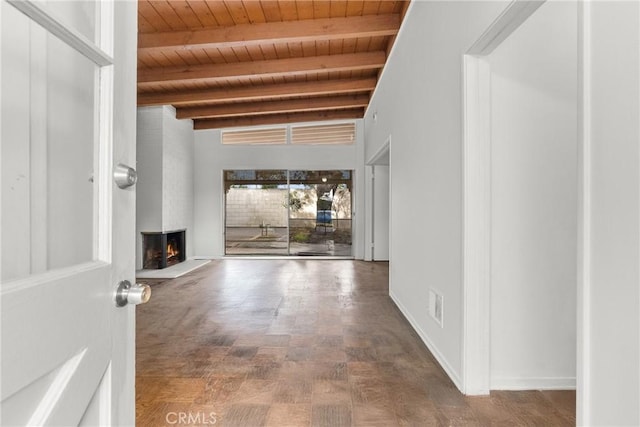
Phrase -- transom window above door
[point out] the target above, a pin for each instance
(325, 134)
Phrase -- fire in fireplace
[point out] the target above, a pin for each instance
(161, 250)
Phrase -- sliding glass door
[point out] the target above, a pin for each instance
(280, 212)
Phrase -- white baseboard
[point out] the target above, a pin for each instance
(453, 375)
(534, 383)
(514, 384)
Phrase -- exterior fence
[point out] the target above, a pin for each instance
(248, 207)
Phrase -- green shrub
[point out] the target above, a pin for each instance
(301, 236)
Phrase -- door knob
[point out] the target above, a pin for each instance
(132, 294)
(125, 176)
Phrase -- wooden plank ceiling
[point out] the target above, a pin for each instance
(249, 62)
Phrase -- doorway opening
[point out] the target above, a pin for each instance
(520, 217)
(288, 212)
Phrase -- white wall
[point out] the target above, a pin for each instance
(149, 168)
(609, 322)
(419, 102)
(534, 202)
(165, 159)
(177, 174)
(211, 158)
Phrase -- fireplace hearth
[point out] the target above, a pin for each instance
(162, 250)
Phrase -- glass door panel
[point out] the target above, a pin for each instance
(320, 213)
(256, 219)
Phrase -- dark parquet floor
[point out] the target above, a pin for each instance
(302, 343)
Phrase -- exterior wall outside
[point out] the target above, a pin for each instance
(251, 208)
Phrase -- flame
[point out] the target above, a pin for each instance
(172, 250)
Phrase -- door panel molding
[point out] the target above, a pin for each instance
(56, 389)
(68, 35)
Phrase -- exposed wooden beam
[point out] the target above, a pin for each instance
(272, 32)
(392, 39)
(317, 88)
(278, 119)
(404, 8)
(280, 67)
(273, 107)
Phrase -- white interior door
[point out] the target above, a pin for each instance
(381, 207)
(67, 236)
